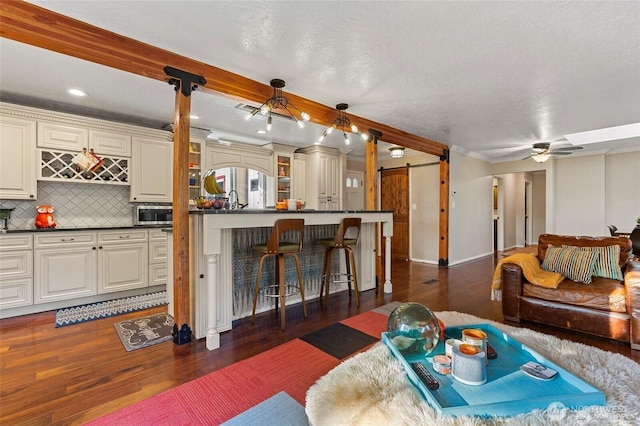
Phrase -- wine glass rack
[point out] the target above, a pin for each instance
(59, 166)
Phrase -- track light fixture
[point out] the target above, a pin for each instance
(278, 101)
(342, 123)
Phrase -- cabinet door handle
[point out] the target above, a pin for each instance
(100, 247)
(124, 236)
(94, 248)
(65, 240)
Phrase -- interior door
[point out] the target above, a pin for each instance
(394, 195)
(354, 190)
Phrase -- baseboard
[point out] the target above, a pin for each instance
(428, 262)
(457, 262)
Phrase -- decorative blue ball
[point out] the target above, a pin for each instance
(413, 329)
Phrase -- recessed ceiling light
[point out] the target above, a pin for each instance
(261, 132)
(603, 135)
(194, 117)
(76, 92)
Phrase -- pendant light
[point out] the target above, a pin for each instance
(343, 123)
(279, 102)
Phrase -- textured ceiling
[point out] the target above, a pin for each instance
(488, 78)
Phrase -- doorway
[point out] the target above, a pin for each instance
(394, 195)
(498, 214)
(528, 217)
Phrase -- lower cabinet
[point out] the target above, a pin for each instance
(16, 271)
(158, 252)
(65, 266)
(122, 260)
(78, 264)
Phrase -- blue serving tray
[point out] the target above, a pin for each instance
(508, 390)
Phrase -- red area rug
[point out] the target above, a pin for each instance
(212, 399)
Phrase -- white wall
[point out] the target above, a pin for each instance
(580, 195)
(425, 215)
(471, 220)
(622, 194)
(538, 207)
(583, 193)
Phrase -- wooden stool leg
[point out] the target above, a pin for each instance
(348, 268)
(281, 288)
(352, 259)
(300, 283)
(257, 289)
(328, 271)
(324, 271)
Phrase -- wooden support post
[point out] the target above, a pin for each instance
(443, 232)
(184, 83)
(371, 193)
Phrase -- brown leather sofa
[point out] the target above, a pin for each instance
(605, 307)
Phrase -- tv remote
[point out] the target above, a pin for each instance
(424, 376)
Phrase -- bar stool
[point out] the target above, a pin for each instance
(341, 242)
(276, 247)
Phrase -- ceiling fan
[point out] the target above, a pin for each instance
(541, 151)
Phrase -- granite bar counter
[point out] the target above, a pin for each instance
(223, 267)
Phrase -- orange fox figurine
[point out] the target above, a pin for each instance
(45, 219)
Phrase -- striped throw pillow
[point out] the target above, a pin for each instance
(607, 265)
(577, 265)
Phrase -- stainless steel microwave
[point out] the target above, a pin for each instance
(152, 215)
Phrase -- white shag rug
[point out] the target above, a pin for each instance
(373, 389)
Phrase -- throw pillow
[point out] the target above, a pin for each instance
(607, 265)
(577, 265)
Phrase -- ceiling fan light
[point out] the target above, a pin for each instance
(354, 128)
(269, 123)
(305, 116)
(541, 158)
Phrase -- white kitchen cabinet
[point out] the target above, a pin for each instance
(298, 176)
(62, 136)
(110, 143)
(16, 270)
(65, 266)
(18, 168)
(158, 252)
(151, 171)
(122, 260)
(323, 189)
(75, 137)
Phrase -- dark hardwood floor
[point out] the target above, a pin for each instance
(72, 374)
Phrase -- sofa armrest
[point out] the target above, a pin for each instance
(632, 288)
(511, 291)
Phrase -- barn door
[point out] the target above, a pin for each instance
(394, 195)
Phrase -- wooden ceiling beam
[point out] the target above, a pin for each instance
(36, 26)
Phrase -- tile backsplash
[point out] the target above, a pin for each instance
(77, 205)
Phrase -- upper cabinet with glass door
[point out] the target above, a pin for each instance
(195, 171)
(283, 180)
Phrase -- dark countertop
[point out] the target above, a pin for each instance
(271, 211)
(98, 228)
